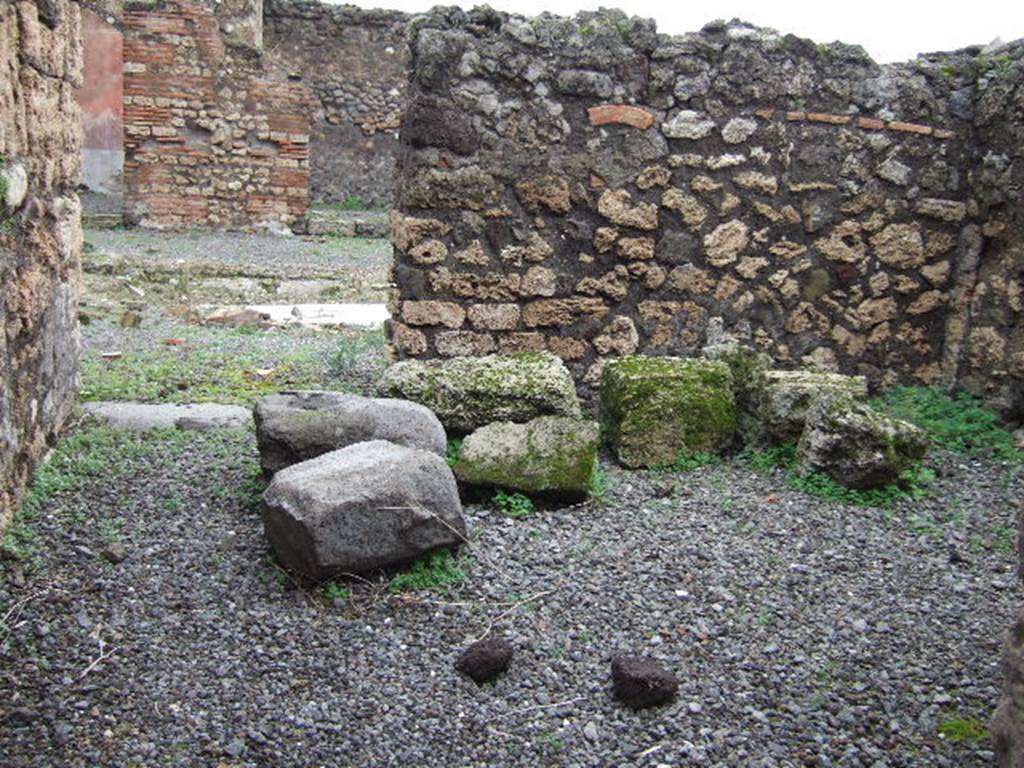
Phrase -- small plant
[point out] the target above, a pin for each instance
(914, 485)
(334, 590)
(958, 423)
(435, 571)
(514, 505)
(688, 461)
(598, 487)
(774, 457)
(353, 203)
(1004, 538)
(963, 729)
(451, 453)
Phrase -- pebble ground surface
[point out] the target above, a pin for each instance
(146, 624)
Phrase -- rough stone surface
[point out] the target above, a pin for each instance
(297, 426)
(364, 507)
(655, 408)
(856, 445)
(485, 660)
(782, 399)
(1007, 724)
(791, 175)
(550, 455)
(143, 416)
(352, 60)
(470, 392)
(640, 682)
(40, 233)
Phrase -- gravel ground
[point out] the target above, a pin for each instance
(805, 633)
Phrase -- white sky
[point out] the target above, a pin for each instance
(890, 30)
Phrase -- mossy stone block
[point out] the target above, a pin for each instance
(857, 446)
(655, 407)
(470, 392)
(782, 400)
(550, 455)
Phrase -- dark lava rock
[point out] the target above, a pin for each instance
(642, 682)
(483, 661)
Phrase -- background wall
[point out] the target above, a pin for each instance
(593, 188)
(101, 100)
(353, 61)
(210, 139)
(40, 235)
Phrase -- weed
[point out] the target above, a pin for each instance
(334, 590)
(514, 505)
(352, 203)
(914, 485)
(922, 526)
(963, 729)
(764, 618)
(1004, 538)
(958, 423)
(774, 457)
(553, 741)
(688, 461)
(435, 571)
(598, 486)
(360, 358)
(451, 453)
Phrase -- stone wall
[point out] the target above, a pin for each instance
(352, 60)
(210, 138)
(591, 187)
(40, 235)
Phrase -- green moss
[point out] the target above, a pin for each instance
(963, 729)
(654, 408)
(436, 571)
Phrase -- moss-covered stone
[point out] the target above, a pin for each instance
(746, 365)
(551, 455)
(470, 392)
(655, 407)
(780, 401)
(856, 445)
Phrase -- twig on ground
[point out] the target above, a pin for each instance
(510, 609)
(524, 710)
(103, 656)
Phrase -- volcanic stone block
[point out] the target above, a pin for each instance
(551, 455)
(297, 426)
(856, 445)
(781, 400)
(485, 660)
(640, 682)
(654, 408)
(368, 506)
(470, 392)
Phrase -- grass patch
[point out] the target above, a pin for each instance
(451, 453)
(914, 483)
(958, 423)
(514, 505)
(598, 486)
(962, 729)
(435, 571)
(360, 359)
(688, 461)
(334, 590)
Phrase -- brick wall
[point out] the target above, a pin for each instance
(352, 60)
(590, 187)
(40, 234)
(210, 139)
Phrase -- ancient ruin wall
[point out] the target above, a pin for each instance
(352, 60)
(40, 235)
(593, 188)
(210, 138)
(101, 100)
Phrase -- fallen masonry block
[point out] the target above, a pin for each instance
(781, 399)
(297, 426)
(471, 392)
(550, 455)
(655, 407)
(365, 507)
(856, 445)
